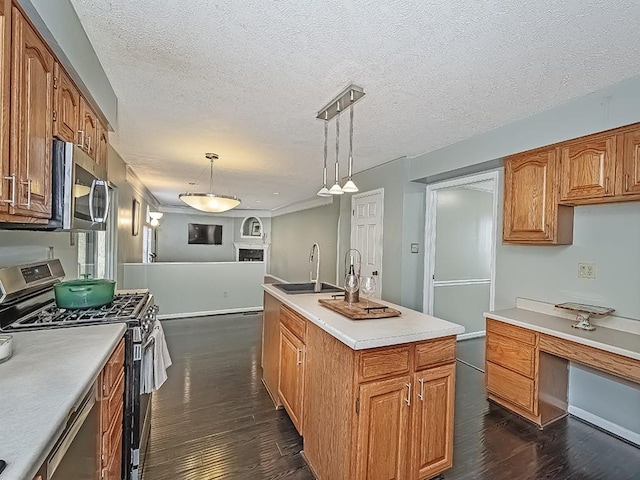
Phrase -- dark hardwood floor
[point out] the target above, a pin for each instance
(471, 353)
(214, 420)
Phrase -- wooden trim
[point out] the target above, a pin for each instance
(624, 367)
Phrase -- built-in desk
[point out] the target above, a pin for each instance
(527, 356)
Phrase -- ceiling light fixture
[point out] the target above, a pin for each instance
(210, 202)
(155, 218)
(333, 109)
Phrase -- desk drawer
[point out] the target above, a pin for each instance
(382, 362)
(517, 333)
(294, 323)
(435, 352)
(513, 387)
(511, 353)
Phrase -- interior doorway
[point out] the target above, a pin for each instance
(367, 212)
(460, 239)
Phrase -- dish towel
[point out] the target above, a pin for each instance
(155, 360)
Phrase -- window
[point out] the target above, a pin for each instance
(97, 249)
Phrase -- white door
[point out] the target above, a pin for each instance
(366, 232)
(460, 253)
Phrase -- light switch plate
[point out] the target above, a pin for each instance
(414, 248)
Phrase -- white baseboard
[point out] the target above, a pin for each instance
(469, 336)
(170, 316)
(605, 424)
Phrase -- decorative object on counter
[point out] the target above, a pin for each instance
(6, 347)
(584, 312)
(349, 96)
(352, 279)
(155, 218)
(358, 311)
(210, 202)
(84, 293)
(368, 288)
(135, 217)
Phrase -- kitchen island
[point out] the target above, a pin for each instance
(367, 396)
(48, 375)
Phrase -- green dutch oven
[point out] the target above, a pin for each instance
(88, 293)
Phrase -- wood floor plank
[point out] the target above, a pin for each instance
(213, 420)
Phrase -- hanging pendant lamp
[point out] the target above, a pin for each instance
(210, 202)
(324, 191)
(336, 189)
(350, 186)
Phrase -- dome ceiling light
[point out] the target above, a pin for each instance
(333, 109)
(210, 202)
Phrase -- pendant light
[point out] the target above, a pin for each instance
(336, 189)
(210, 202)
(324, 191)
(350, 186)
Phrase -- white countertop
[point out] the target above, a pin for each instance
(411, 326)
(39, 386)
(607, 339)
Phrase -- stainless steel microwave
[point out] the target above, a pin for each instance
(80, 192)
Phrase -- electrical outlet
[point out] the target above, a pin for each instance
(586, 270)
(414, 248)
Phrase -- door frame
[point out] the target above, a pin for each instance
(354, 197)
(430, 240)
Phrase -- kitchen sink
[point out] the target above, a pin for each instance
(298, 288)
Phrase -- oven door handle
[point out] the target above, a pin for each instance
(61, 447)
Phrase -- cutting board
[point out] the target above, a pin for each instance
(357, 311)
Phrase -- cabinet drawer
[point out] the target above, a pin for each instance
(112, 370)
(112, 437)
(511, 386)
(501, 328)
(383, 362)
(511, 353)
(435, 352)
(111, 406)
(296, 324)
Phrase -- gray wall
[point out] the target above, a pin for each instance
(292, 237)
(173, 236)
(18, 247)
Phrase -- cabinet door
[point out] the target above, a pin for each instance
(291, 375)
(101, 147)
(66, 117)
(88, 128)
(588, 169)
(32, 119)
(5, 70)
(383, 429)
(530, 207)
(631, 167)
(432, 422)
(271, 346)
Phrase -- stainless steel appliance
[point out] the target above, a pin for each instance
(79, 192)
(27, 303)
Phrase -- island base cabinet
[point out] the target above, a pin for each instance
(291, 375)
(432, 422)
(383, 429)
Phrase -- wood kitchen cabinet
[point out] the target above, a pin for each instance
(88, 129)
(111, 415)
(5, 78)
(101, 146)
(31, 120)
(630, 167)
(291, 375)
(531, 211)
(66, 112)
(271, 347)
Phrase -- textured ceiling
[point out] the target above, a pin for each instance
(246, 79)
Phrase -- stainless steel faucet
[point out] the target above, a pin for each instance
(317, 287)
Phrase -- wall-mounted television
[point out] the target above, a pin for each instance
(202, 234)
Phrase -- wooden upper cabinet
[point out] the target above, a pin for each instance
(101, 147)
(631, 163)
(588, 168)
(432, 422)
(531, 211)
(88, 129)
(5, 70)
(66, 110)
(383, 429)
(31, 119)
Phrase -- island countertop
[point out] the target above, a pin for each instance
(49, 372)
(410, 326)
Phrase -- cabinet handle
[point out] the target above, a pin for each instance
(606, 185)
(89, 143)
(12, 177)
(626, 182)
(408, 399)
(81, 142)
(298, 356)
(28, 184)
(421, 394)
